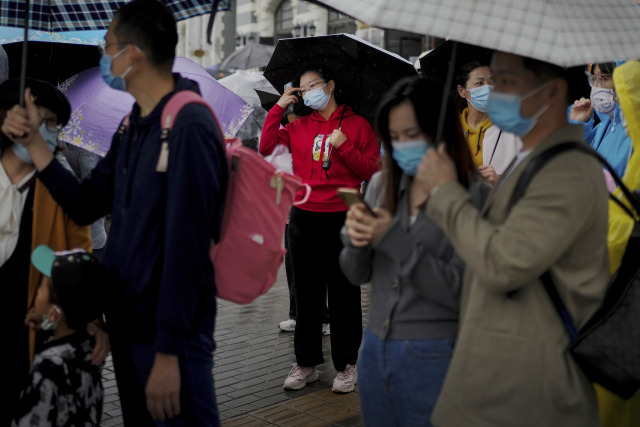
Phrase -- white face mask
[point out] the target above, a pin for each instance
(602, 100)
(47, 324)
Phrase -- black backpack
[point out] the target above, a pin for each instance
(607, 348)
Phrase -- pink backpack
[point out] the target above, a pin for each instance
(259, 196)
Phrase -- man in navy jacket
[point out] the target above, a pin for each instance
(162, 315)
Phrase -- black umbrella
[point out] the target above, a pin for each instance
(50, 61)
(267, 98)
(252, 55)
(435, 64)
(363, 72)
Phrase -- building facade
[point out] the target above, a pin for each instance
(267, 21)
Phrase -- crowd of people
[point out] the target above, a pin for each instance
(460, 331)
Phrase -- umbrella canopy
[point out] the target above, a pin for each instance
(74, 15)
(97, 110)
(13, 35)
(363, 72)
(252, 55)
(566, 33)
(435, 64)
(52, 61)
(268, 97)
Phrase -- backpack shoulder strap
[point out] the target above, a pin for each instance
(541, 159)
(168, 118)
(534, 167)
(176, 103)
(525, 179)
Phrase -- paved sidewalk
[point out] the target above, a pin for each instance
(252, 359)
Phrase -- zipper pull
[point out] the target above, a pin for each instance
(278, 183)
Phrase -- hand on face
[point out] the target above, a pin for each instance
(436, 169)
(288, 97)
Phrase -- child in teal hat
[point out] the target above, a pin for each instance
(64, 387)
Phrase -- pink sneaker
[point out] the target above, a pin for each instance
(346, 380)
(299, 377)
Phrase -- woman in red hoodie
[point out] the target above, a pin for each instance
(314, 227)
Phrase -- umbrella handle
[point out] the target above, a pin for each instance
(445, 94)
(25, 44)
(326, 165)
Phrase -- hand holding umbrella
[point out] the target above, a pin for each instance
(337, 138)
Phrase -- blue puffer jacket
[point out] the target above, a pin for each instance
(608, 139)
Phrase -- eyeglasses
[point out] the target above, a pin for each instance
(51, 123)
(103, 46)
(598, 80)
(311, 87)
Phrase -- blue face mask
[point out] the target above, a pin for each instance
(316, 98)
(409, 154)
(504, 111)
(108, 77)
(480, 97)
(50, 136)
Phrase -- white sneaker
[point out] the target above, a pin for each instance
(288, 325)
(299, 377)
(326, 329)
(346, 380)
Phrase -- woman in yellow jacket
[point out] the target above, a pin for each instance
(28, 217)
(615, 412)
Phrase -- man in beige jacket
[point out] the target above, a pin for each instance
(511, 365)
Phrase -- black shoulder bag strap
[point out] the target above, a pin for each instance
(521, 186)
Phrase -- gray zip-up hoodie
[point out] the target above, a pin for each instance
(414, 272)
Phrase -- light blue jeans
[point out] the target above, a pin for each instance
(399, 381)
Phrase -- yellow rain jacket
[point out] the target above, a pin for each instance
(615, 412)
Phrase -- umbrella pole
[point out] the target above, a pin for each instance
(445, 95)
(25, 44)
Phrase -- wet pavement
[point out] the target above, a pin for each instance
(251, 362)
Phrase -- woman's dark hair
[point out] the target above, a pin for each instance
(149, 25)
(425, 95)
(605, 67)
(461, 79)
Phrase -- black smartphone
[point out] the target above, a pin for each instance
(352, 196)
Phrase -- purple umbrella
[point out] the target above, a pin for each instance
(97, 110)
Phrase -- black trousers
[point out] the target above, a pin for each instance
(291, 280)
(314, 242)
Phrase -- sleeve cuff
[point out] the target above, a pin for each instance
(170, 342)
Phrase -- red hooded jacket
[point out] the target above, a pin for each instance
(356, 160)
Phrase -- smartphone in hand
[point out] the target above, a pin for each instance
(351, 196)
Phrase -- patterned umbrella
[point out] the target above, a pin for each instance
(97, 110)
(562, 32)
(14, 34)
(75, 15)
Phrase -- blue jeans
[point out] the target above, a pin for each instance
(399, 381)
(197, 396)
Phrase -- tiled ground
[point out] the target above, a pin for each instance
(251, 362)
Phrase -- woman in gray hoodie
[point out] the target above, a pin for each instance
(414, 272)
